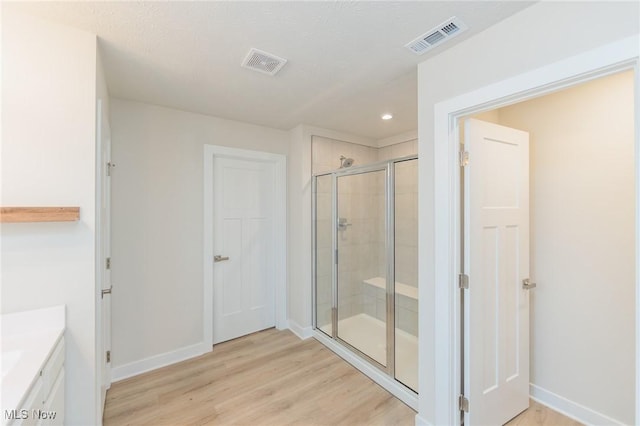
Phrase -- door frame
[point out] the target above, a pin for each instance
(100, 256)
(612, 58)
(280, 230)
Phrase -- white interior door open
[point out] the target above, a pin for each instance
(496, 246)
(244, 241)
(104, 134)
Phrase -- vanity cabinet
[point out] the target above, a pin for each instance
(44, 404)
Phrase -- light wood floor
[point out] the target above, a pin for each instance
(539, 415)
(269, 378)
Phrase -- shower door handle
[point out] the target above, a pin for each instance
(342, 223)
(217, 258)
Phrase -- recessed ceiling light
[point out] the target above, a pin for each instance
(387, 116)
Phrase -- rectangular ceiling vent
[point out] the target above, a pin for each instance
(438, 35)
(263, 62)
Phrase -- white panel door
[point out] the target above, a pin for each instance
(243, 284)
(497, 261)
(104, 134)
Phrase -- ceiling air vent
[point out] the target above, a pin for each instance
(263, 62)
(443, 32)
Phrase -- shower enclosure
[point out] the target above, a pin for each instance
(366, 263)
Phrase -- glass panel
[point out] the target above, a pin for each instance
(362, 307)
(406, 272)
(324, 253)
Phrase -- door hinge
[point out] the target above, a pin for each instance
(108, 356)
(463, 281)
(463, 404)
(464, 158)
(108, 263)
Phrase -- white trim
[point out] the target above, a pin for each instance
(636, 70)
(157, 361)
(99, 253)
(375, 374)
(280, 224)
(569, 408)
(303, 333)
(592, 64)
(396, 139)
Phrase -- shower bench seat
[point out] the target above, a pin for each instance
(401, 288)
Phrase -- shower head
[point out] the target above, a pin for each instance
(345, 162)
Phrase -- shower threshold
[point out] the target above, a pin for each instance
(368, 334)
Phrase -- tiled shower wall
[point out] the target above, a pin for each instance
(325, 154)
(361, 245)
(406, 232)
(406, 247)
(406, 242)
(402, 149)
(358, 258)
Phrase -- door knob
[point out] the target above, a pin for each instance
(527, 284)
(218, 258)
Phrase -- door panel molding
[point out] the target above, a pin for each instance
(280, 229)
(496, 259)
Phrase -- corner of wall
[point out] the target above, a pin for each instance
(299, 226)
(303, 333)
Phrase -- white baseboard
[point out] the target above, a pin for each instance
(282, 325)
(421, 421)
(302, 332)
(569, 408)
(157, 361)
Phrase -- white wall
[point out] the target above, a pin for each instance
(102, 91)
(582, 242)
(299, 231)
(157, 208)
(48, 159)
(541, 34)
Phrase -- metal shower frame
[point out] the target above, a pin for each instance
(388, 166)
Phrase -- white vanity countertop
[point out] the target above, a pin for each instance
(28, 338)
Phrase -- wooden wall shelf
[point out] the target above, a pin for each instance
(39, 214)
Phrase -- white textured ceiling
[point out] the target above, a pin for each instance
(347, 60)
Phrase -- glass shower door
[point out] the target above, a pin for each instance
(406, 271)
(361, 266)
